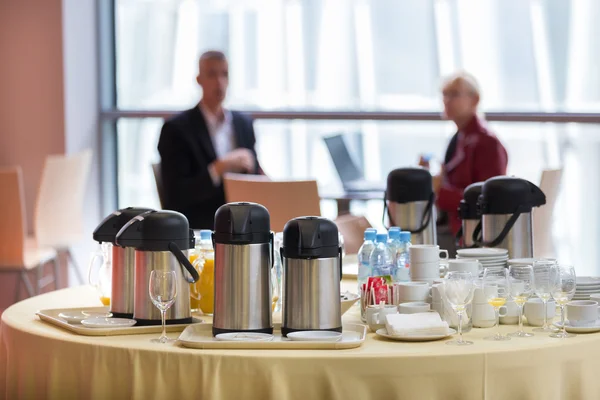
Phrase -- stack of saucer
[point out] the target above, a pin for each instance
(586, 286)
(488, 257)
(521, 261)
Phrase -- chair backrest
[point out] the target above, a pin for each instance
(284, 199)
(352, 228)
(156, 168)
(59, 209)
(12, 215)
(543, 241)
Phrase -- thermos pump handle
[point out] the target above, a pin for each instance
(185, 263)
(340, 257)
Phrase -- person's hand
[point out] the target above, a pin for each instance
(238, 160)
(423, 162)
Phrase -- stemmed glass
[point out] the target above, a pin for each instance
(497, 290)
(521, 287)
(459, 288)
(163, 291)
(563, 289)
(542, 285)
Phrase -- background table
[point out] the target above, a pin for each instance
(343, 199)
(40, 361)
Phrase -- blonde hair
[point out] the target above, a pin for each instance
(466, 79)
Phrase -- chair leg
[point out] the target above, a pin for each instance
(19, 282)
(56, 269)
(39, 274)
(75, 266)
(28, 285)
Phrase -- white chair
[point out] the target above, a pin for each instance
(58, 220)
(18, 255)
(543, 240)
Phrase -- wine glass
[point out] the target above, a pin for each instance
(497, 290)
(542, 286)
(459, 288)
(163, 291)
(521, 287)
(563, 289)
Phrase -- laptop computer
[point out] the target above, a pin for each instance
(350, 174)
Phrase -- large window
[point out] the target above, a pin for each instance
(371, 55)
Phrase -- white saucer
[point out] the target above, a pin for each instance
(580, 329)
(315, 336)
(588, 281)
(414, 338)
(521, 261)
(102, 322)
(244, 337)
(484, 252)
(75, 317)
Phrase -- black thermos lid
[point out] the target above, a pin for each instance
(155, 231)
(467, 208)
(111, 225)
(406, 185)
(242, 223)
(504, 194)
(310, 237)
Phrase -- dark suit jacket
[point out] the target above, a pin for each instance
(186, 151)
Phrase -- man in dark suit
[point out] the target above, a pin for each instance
(200, 145)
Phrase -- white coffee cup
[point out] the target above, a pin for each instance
(438, 306)
(412, 291)
(375, 315)
(510, 313)
(426, 253)
(460, 265)
(482, 294)
(413, 307)
(484, 315)
(426, 271)
(582, 312)
(534, 311)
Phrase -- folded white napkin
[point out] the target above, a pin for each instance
(428, 323)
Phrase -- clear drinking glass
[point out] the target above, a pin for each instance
(163, 291)
(563, 280)
(521, 287)
(459, 288)
(497, 291)
(542, 287)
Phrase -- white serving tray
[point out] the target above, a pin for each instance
(199, 336)
(51, 316)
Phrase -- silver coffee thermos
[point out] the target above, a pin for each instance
(505, 204)
(160, 239)
(410, 203)
(312, 270)
(243, 244)
(469, 215)
(122, 259)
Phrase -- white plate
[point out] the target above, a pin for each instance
(75, 317)
(244, 337)
(315, 336)
(579, 329)
(351, 298)
(483, 259)
(588, 281)
(521, 261)
(414, 338)
(485, 252)
(102, 322)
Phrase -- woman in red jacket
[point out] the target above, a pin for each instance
(474, 153)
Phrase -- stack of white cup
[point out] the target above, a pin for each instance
(425, 262)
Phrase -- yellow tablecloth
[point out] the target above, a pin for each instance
(39, 361)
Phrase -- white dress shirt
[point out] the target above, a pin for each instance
(222, 135)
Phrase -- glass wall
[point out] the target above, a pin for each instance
(372, 55)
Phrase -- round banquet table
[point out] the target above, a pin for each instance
(39, 361)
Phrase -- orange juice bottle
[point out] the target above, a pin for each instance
(193, 257)
(203, 292)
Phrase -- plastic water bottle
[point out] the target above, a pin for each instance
(394, 242)
(403, 260)
(382, 261)
(364, 254)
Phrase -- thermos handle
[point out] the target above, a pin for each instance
(340, 258)
(507, 227)
(272, 246)
(184, 262)
(424, 219)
